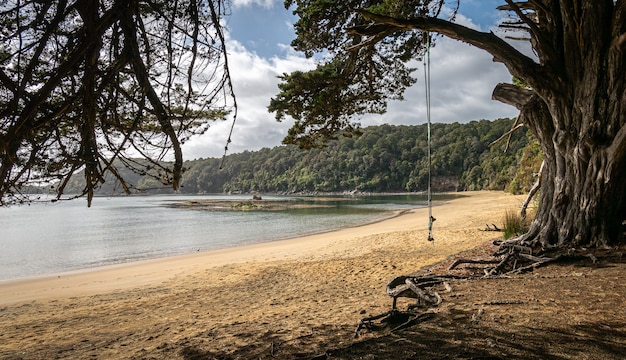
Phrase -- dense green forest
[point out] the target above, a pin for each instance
(384, 158)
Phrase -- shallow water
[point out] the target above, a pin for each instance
(46, 238)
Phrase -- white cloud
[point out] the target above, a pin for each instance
(263, 3)
(255, 81)
(462, 20)
(462, 80)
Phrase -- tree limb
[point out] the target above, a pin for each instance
(514, 129)
(512, 95)
(538, 36)
(142, 77)
(519, 65)
(532, 191)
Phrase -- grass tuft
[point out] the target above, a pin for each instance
(514, 224)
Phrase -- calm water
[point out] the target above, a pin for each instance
(47, 238)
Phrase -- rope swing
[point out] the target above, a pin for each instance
(431, 219)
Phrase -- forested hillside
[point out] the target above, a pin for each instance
(384, 158)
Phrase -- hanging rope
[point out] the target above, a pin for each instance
(431, 219)
(228, 89)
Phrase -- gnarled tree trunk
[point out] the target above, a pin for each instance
(582, 194)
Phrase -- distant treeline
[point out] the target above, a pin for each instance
(384, 158)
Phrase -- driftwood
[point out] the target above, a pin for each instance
(495, 228)
(398, 319)
(416, 287)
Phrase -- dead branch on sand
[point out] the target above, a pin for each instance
(512, 257)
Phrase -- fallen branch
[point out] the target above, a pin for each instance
(431, 297)
(417, 287)
(405, 319)
(414, 321)
(489, 228)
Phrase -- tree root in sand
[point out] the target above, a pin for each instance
(512, 257)
(418, 287)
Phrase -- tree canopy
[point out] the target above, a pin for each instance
(363, 73)
(86, 82)
(573, 99)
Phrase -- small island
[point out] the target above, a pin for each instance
(255, 204)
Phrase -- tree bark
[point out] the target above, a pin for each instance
(582, 190)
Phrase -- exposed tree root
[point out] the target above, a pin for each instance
(397, 319)
(458, 262)
(513, 257)
(417, 287)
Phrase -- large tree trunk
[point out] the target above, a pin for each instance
(577, 110)
(579, 117)
(581, 200)
(582, 195)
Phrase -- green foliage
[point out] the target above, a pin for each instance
(530, 158)
(324, 100)
(384, 158)
(353, 76)
(520, 83)
(330, 100)
(85, 85)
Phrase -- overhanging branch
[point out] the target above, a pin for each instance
(512, 95)
(518, 64)
(141, 74)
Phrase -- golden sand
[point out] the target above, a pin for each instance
(311, 290)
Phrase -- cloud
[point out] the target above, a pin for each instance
(255, 82)
(262, 3)
(462, 80)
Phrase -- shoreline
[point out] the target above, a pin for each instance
(304, 299)
(139, 261)
(25, 259)
(121, 276)
(152, 272)
(298, 295)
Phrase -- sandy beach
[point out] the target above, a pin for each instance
(455, 230)
(285, 299)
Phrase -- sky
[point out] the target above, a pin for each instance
(259, 33)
